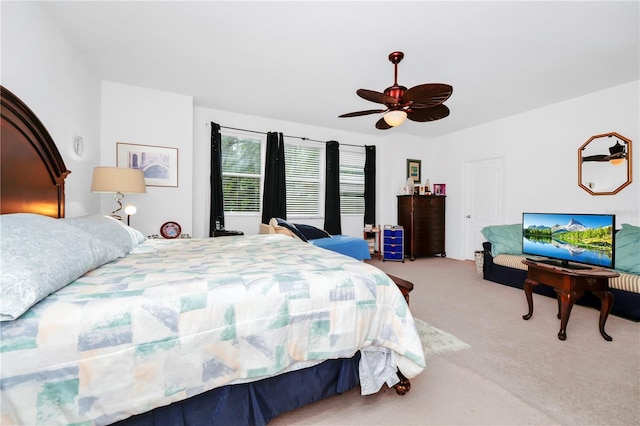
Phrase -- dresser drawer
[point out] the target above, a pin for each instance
(393, 233)
(393, 256)
(392, 248)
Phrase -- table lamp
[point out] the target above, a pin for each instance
(119, 181)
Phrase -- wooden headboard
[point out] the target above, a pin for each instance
(32, 171)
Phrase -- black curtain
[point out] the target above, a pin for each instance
(332, 221)
(370, 185)
(274, 196)
(216, 210)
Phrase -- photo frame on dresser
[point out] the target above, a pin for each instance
(414, 170)
(158, 163)
(440, 189)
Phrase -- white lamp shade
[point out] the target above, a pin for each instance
(395, 118)
(118, 179)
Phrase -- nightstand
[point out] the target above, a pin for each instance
(372, 236)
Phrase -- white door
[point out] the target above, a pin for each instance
(484, 197)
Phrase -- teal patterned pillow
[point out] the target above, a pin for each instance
(39, 255)
(504, 239)
(627, 255)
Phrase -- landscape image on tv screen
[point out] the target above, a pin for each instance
(582, 238)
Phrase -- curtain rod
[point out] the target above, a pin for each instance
(286, 136)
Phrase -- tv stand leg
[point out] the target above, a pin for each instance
(606, 303)
(528, 289)
(568, 299)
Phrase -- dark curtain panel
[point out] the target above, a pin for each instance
(332, 221)
(370, 185)
(216, 211)
(274, 196)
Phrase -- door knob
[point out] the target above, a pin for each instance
(468, 216)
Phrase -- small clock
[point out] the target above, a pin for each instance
(170, 230)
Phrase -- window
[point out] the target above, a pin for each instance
(302, 171)
(351, 181)
(241, 173)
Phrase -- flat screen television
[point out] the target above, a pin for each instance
(560, 238)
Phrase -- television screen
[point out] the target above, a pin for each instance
(582, 238)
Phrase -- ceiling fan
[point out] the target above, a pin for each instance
(420, 103)
(616, 155)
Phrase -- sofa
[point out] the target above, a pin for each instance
(502, 263)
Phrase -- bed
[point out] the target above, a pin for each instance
(190, 331)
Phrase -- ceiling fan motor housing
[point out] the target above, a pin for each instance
(395, 92)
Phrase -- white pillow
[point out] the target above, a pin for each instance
(39, 255)
(120, 237)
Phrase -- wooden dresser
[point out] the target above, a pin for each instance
(422, 217)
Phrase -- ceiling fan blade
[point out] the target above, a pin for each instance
(377, 97)
(382, 125)
(359, 113)
(428, 94)
(428, 114)
(596, 158)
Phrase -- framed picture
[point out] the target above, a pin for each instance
(440, 189)
(158, 163)
(413, 169)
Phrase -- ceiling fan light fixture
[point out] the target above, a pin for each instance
(617, 161)
(395, 117)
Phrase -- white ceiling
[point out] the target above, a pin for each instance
(303, 61)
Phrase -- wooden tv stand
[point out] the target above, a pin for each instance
(570, 285)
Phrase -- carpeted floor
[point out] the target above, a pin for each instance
(513, 372)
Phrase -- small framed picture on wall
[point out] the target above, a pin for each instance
(414, 169)
(158, 163)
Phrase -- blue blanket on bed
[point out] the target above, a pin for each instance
(357, 248)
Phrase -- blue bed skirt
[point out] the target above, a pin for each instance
(256, 403)
(357, 248)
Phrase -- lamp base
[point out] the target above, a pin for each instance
(118, 196)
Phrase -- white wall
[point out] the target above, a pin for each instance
(40, 67)
(150, 117)
(540, 150)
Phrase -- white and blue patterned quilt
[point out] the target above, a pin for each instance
(176, 318)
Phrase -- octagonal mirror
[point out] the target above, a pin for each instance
(604, 164)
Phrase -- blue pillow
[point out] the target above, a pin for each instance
(627, 255)
(311, 232)
(291, 227)
(504, 239)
